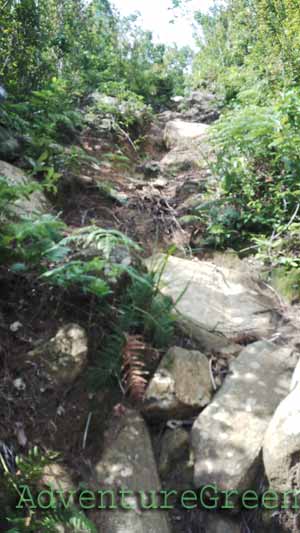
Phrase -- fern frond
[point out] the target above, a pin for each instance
(103, 240)
(134, 367)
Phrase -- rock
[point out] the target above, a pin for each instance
(192, 186)
(58, 477)
(228, 435)
(128, 463)
(216, 305)
(175, 464)
(35, 203)
(281, 451)
(214, 523)
(10, 147)
(175, 446)
(102, 99)
(150, 169)
(188, 145)
(296, 377)
(181, 134)
(199, 97)
(194, 114)
(177, 161)
(154, 138)
(64, 356)
(200, 106)
(167, 116)
(104, 112)
(176, 101)
(283, 521)
(180, 387)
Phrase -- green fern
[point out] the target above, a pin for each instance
(92, 275)
(31, 237)
(142, 311)
(30, 470)
(102, 240)
(74, 519)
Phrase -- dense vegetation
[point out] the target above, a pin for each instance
(249, 54)
(54, 55)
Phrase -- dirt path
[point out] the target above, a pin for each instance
(112, 195)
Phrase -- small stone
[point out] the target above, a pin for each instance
(15, 326)
(58, 477)
(64, 356)
(21, 435)
(19, 384)
(160, 183)
(60, 410)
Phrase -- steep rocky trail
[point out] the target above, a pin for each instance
(233, 363)
(144, 197)
(217, 403)
(239, 361)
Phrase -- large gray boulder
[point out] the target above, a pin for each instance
(179, 161)
(188, 146)
(180, 387)
(216, 304)
(34, 203)
(200, 106)
(128, 463)
(181, 134)
(281, 451)
(228, 435)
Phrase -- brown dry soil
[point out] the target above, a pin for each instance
(152, 207)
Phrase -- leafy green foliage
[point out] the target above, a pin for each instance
(30, 470)
(246, 44)
(54, 54)
(258, 161)
(30, 238)
(9, 194)
(249, 53)
(52, 521)
(97, 266)
(142, 311)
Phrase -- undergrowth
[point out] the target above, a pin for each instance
(21, 484)
(106, 265)
(257, 163)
